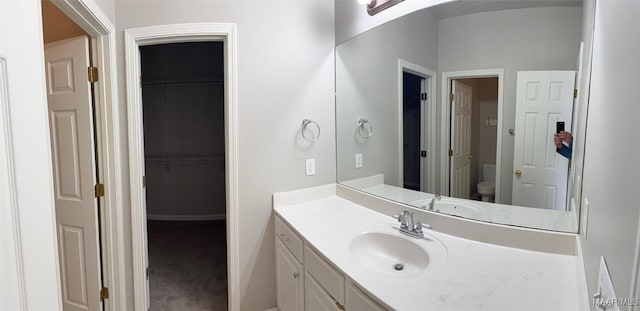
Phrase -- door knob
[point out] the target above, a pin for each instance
(518, 173)
(471, 156)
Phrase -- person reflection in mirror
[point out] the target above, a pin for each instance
(564, 143)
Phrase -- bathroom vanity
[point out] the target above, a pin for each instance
(340, 249)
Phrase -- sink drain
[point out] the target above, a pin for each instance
(398, 267)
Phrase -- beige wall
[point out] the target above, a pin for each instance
(285, 74)
(56, 25)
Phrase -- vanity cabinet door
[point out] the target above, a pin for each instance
(357, 300)
(327, 276)
(289, 280)
(316, 298)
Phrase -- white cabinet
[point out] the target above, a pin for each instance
(289, 280)
(316, 298)
(357, 300)
(306, 281)
(331, 280)
(290, 239)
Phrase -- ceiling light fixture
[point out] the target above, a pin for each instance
(376, 6)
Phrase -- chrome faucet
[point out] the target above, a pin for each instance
(408, 227)
(433, 201)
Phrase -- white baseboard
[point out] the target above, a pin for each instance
(186, 217)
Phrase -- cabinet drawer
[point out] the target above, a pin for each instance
(291, 240)
(326, 275)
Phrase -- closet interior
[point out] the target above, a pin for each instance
(183, 117)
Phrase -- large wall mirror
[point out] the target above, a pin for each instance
(463, 100)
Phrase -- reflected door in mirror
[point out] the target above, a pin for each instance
(461, 140)
(412, 122)
(540, 173)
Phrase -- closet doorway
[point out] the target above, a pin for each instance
(183, 109)
(417, 119)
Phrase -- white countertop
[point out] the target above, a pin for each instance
(472, 276)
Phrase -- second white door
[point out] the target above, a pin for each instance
(71, 129)
(461, 140)
(540, 173)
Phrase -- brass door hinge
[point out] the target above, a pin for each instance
(451, 97)
(104, 293)
(423, 96)
(144, 181)
(92, 74)
(450, 152)
(98, 190)
(147, 272)
(575, 93)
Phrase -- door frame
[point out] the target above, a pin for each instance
(88, 15)
(193, 32)
(445, 129)
(430, 77)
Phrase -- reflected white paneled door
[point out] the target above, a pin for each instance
(540, 173)
(71, 128)
(461, 140)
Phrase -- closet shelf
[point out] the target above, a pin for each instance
(182, 81)
(184, 159)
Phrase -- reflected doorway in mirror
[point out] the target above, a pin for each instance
(469, 142)
(416, 126)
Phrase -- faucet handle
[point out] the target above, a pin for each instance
(418, 227)
(399, 217)
(402, 218)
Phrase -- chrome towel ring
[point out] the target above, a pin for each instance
(365, 129)
(306, 123)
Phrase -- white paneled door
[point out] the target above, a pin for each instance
(71, 128)
(540, 173)
(461, 140)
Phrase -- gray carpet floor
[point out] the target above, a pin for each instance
(187, 265)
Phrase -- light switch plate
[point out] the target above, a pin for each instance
(310, 167)
(605, 297)
(358, 160)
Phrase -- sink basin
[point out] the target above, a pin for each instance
(453, 207)
(389, 254)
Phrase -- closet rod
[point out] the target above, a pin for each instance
(177, 82)
(183, 159)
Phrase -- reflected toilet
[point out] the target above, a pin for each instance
(487, 187)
